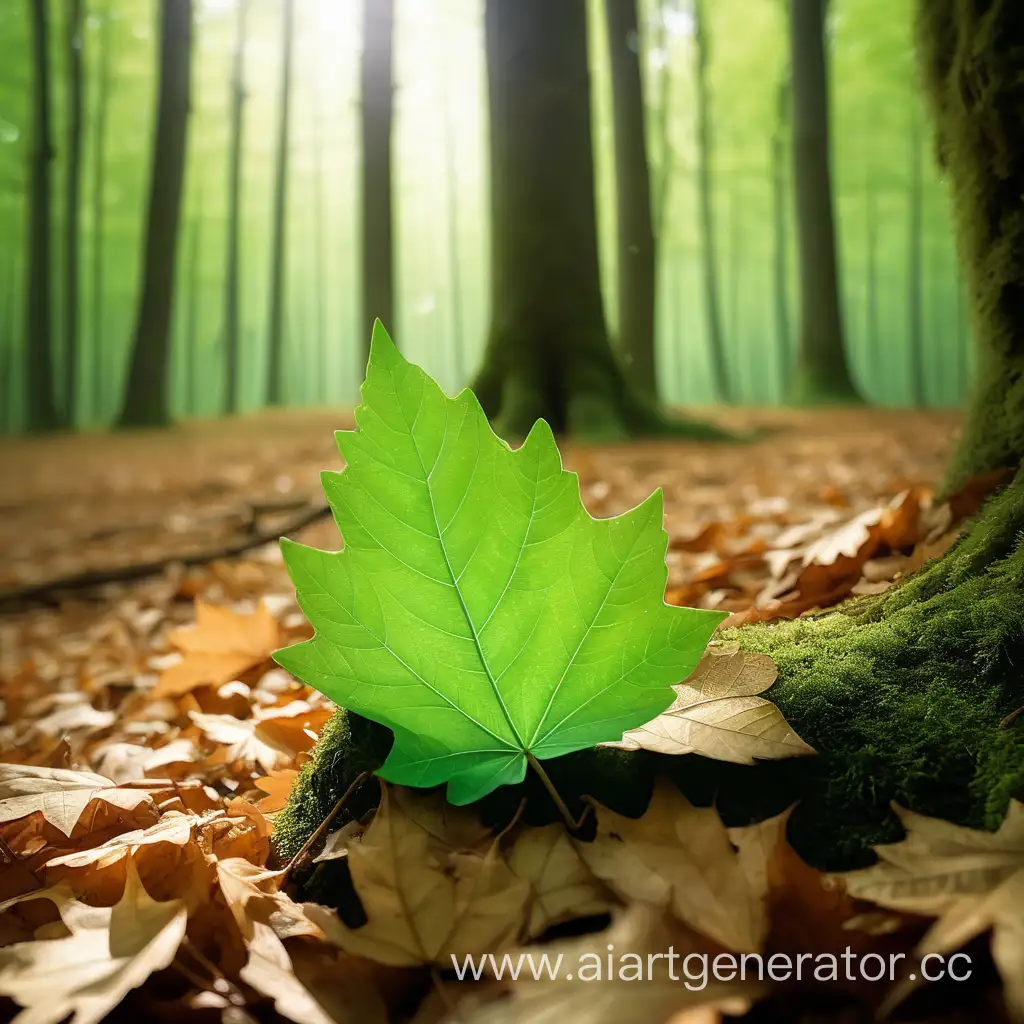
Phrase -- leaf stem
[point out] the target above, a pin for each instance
(572, 824)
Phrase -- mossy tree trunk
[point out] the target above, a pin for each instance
(821, 372)
(636, 256)
(99, 168)
(915, 265)
(378, 261)
(147, 399)
(72, 189)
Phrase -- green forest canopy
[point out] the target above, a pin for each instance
(439, 64)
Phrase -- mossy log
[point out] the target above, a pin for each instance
(911, 696)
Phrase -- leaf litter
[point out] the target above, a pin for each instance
(145, 754)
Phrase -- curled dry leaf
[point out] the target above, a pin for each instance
(278, 787)
(424, 899)
(717, 713)
(110, 951)
(59, 794)
(972, 881)
(253, 896)
(680, 856)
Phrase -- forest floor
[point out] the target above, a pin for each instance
(166, 678)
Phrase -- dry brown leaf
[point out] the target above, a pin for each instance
(278, 787)
(562, 887)
(220, 646)
(253, 897)
(425, 900)
(110, 951)
(679, 856)
(717, 713)
(972, 881)
(59, 794)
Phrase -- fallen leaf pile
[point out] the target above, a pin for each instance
(147, 742)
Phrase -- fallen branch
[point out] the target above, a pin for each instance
(51, 591)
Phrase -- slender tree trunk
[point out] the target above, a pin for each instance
(73, 179)
(232, 281)
(195, 277)
(780, 235)
(716, 341)
(451, 177)
(666, 152)
(146, 401)
(915, 269)
(377, 110)
(99, 167)
(42, 410)
(319, 249)
(278, 243)
(636, 258)
(871, 246)
(822, 374)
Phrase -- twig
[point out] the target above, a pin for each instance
(571, 822)
(324, 825)
(49, 591)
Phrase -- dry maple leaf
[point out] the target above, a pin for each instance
(680, 856)
(717, 713)
(59, 794)
(110, 951)
(278, 787)
(220, 646)
(562, 887)
(425, 902)
(972, 881)
(253, 897)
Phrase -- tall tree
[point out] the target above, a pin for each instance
(871, 327)
(147, 398)
(73, 180)
(548, 353)
(194, 261)
(780, 234)
(821, 373)
(99, 167)
(451, 177)
(275, 319)
(915, 267)
(636, 257)
(42, 409)
(713, 318)
(232, 282)
(320, 391)
(375, 167)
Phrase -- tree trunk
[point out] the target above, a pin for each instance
(822, 374)
(780, 240)
(871, 328)
(195, 258)
(146, 400)
(319, 361)
(377, 108)
(73, 179)
(915, 270)
(636, 258)
(99, 167)
(716, 341)
(278, 246)
(232, 256)
(666, 153)
(42, 410)
(451, 177)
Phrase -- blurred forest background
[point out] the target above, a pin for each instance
(78, 106)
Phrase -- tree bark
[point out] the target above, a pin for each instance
(232, 257)
(73, 179)
(636, 255)
(377, 111)
(278, 243)
(42, 409)
(716, 341)
(147, 396)
(822, 374)
(915, 270)
(98, 212)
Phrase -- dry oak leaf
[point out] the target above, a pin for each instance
(972, 881)
(219, 647)
(59, 794)
(562, 887)
(425, 902)
(717, 713)
(681, 856)
(110, 951)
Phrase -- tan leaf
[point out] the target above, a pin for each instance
(58, 793)
(680, 856)
(425, 900)
(717, 713)
(278, 787)
(253, 897)
(219, 647)
(110, 951)
(562, 887)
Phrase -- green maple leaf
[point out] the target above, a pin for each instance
(477, 609)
